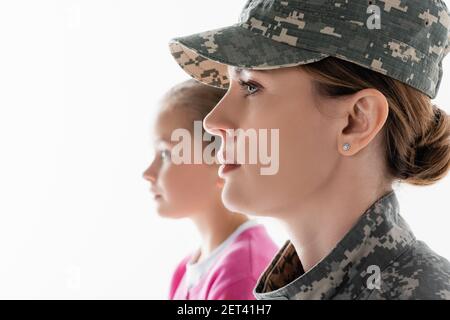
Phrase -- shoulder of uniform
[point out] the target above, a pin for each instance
(419, 273)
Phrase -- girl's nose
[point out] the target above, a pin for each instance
(149, 174)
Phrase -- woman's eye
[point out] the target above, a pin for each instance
(248, 87)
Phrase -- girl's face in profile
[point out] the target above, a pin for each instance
(281, 99)
(180, 190)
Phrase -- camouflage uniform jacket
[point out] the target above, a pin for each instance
(378, 259)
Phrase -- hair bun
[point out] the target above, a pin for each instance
(431, 153)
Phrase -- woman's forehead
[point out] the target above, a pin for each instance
(269, 75)
(238, 72)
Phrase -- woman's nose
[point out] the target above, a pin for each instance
(219, 119)
(211, 124)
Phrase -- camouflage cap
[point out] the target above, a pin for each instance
(403, 39)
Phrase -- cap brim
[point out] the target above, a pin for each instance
(205, 56)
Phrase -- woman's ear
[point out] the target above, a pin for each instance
(367, 112)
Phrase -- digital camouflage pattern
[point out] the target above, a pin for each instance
(409, 46)
(380, 239)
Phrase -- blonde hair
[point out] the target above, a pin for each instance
(194, 98)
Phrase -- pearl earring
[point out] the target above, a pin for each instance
(346, 146)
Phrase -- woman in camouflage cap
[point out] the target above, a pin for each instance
(348, 84)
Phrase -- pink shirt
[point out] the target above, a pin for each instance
(232, 270)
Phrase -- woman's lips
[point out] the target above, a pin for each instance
(226, 168)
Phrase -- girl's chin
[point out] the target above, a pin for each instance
(169, 214)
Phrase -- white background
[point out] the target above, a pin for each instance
(79, 85)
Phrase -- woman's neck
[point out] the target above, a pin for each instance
(319, 223)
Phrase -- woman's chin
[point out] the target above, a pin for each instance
(245, 200)
(235, 200)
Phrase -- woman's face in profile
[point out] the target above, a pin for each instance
(280, 100)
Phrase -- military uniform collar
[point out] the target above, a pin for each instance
(377, 239)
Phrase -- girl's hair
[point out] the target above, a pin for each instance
(417, 132)
(194, 98)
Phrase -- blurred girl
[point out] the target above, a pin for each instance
(234, 250)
